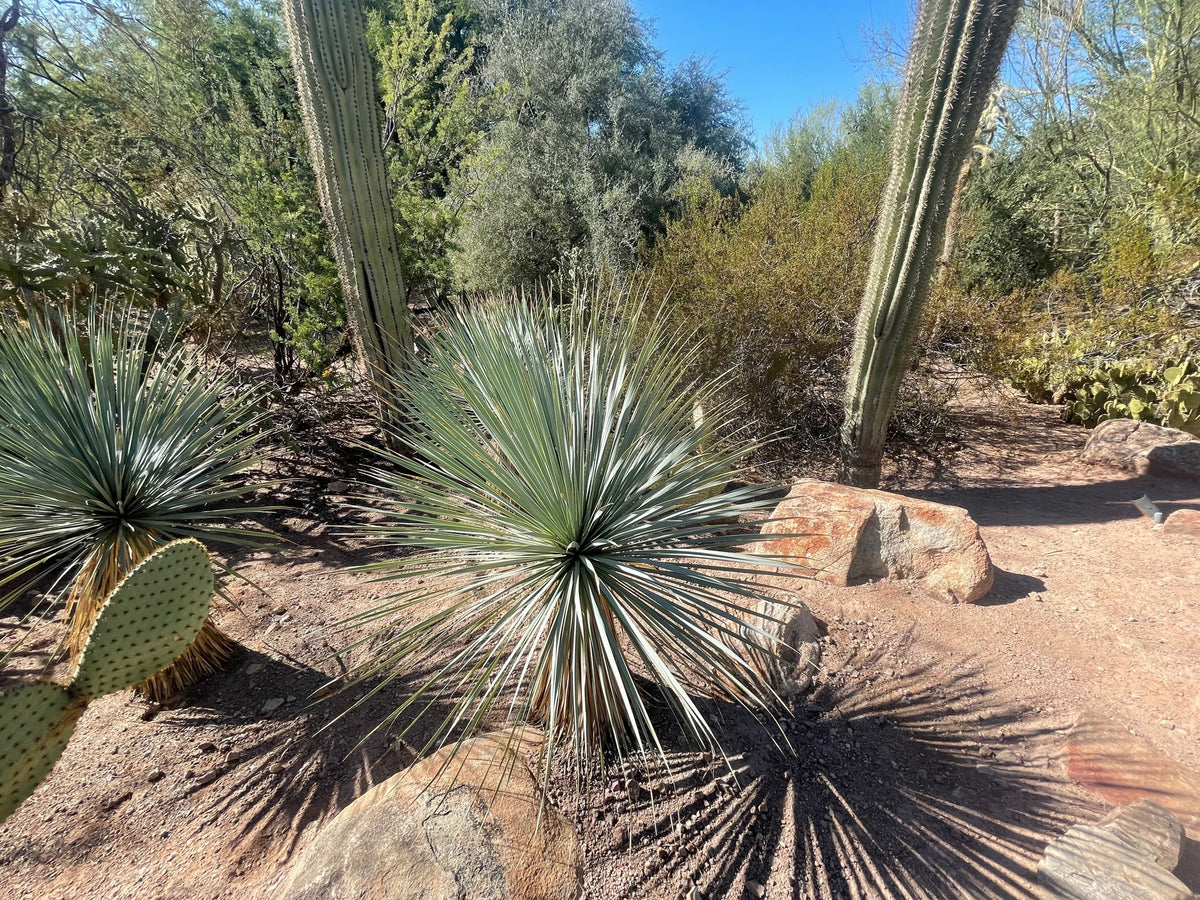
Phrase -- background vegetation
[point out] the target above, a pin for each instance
(158, 156)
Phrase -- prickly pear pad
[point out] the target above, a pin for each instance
(36, 721)
(148, 620)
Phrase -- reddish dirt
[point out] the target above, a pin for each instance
(930, 761)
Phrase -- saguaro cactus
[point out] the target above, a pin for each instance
(145, 624)
(342, 118)
(955, 54)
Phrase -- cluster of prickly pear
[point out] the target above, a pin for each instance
(956, 52)
(336, 85)
(144, 625)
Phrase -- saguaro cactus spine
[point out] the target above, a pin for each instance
(342, 119)
(956, 52)
(144, 625)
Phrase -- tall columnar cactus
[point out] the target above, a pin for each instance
(956, 52)
(342, 118)
(145, 624)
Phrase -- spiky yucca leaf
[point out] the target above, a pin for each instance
(112, 445)
(560, 513)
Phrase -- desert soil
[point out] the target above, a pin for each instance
(942, 748)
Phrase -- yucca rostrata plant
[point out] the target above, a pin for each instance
(956, 52)
(564, 526)
(109, 448)
(148, 620)
(342, 118)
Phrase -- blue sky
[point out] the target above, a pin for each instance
(779, 56)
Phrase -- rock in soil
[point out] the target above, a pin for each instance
(789, 652)
(1143, 449)
(1147, 825)
(1091, 862)
(445, 829)
(1183, 521)
(842, 534)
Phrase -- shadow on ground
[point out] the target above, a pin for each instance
(290, 753)
(895, 788)
(1065, 504)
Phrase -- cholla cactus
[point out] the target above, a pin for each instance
(341, 115)
(955, 55)
(145, 624)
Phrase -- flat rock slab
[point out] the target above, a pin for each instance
(1090, 862)
(1151, 828)
(1143, 449)
(446, 829)
(1183, 521)
(843, 534)
(1122, 768)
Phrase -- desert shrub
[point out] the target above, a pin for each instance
(562, 508)
(773, 283)
(1105, 347)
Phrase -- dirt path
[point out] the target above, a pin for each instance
(933, 760)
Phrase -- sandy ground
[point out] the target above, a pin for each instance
(934, 759)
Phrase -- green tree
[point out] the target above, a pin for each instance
(435, 116)
(165, 162)
(584, 155)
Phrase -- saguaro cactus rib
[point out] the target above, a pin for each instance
(956, 52)
(342, 119)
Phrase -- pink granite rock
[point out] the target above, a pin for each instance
(843, 534)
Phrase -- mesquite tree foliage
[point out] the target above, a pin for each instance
(955, 55)
(342, 117)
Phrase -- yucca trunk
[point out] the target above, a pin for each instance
(956, 52)
(336, 84)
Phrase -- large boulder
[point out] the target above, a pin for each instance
(1143, 449)
(444, 829)
(843, 534)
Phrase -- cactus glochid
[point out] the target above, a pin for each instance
(148, 620)
(956, 51)
(342, 119)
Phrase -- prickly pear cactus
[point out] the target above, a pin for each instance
(36, 722)
(956, 52)
(144, 625)
(147, 621)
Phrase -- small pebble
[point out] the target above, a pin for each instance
(156, 775)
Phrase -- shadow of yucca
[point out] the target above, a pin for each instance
(296, 765)
(889, 790)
